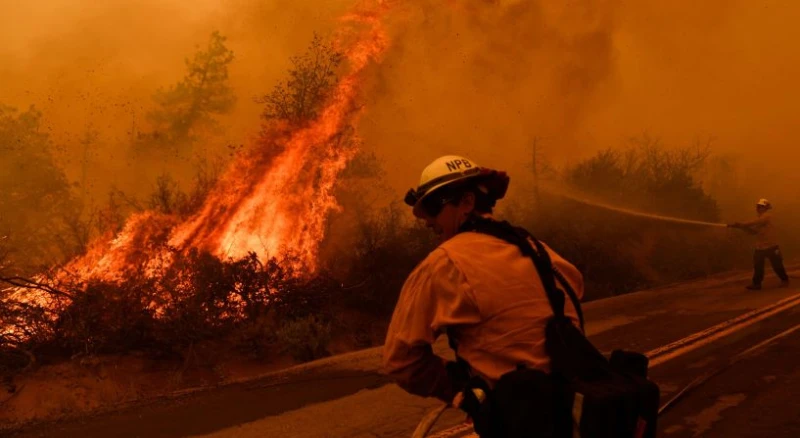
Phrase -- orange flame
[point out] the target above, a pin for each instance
(263, 203)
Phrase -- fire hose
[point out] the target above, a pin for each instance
(427, 422)
(430, 419)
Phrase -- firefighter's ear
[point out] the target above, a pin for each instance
(467, 202)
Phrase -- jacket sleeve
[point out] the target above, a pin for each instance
(436, 295)
(759, 222)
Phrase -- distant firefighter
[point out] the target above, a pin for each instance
(766, 245)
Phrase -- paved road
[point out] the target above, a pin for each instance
(347, 397)
(755, 397)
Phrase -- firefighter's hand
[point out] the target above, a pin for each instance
(459, 398)
(469, 400)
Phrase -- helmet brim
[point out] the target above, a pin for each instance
(496, 183)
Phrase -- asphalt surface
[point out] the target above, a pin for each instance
(754, 397)
(348, 397)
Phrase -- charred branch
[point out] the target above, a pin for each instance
(27, 283)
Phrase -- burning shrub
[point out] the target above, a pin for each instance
(106, 318)
(197, 300)
(25, 326)
(197, 297)
(168, 198)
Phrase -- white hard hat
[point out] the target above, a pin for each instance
(451, 169)
(764, 203)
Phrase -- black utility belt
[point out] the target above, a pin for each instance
(527, 403)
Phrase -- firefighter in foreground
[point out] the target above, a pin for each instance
(477, 288)
(766, 245)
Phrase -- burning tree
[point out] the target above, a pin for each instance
(312, 80)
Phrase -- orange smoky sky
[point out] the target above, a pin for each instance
(479, 78)
(486, 78)
(91, 65)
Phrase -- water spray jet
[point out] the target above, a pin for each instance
(592, 203)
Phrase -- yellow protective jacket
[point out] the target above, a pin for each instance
(485, 294)
(765, 231)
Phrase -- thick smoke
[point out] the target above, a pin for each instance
(94, 67)
(482, 78)
(487, 78)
